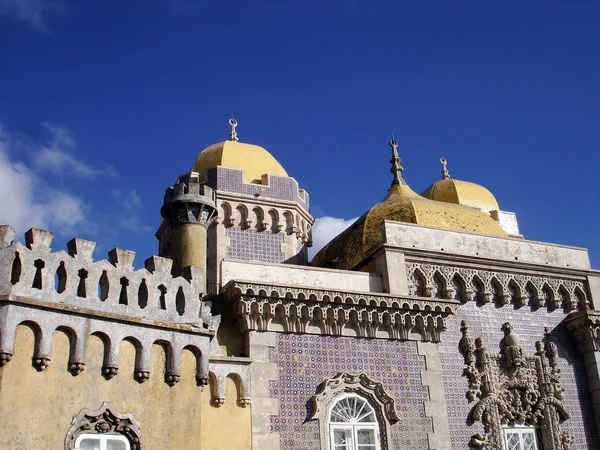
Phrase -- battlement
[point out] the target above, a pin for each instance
(70, 292)
(187, 188)
(73, 279)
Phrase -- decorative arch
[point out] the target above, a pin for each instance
(105, 421)
(372, 391)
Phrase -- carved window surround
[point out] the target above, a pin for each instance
(292, 309)
(361, 385)
(513, 389)
(105, 421)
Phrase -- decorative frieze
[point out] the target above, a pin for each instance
(483, 286)
(292, 309)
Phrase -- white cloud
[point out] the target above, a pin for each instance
(130, 203)
(31, 12)
(28, 202)
(325, 229)
(127, 199)
(55, 157)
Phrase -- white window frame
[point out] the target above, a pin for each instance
(520, 431)
(103, 438)
(353, 425)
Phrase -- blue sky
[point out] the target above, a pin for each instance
(104, 103)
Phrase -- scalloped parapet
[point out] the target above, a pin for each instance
(73, 280)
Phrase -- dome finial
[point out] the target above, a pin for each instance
(233, 123)
(395, 161)
(445, 173)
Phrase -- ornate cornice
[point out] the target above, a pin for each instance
(502, 288)
(294, 309)
(585, 325)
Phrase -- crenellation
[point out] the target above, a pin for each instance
(121, 258)
(74, 280)
(39, 240)
(81, 249)
(159, 264)
(7, 235)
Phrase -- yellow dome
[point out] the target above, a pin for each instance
(462, 193)
(401, 204)
(255, 161)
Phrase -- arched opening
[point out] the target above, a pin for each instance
(353, 424)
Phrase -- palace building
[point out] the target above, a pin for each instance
(429, 323)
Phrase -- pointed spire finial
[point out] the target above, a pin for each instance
(445, 173)
(233, 123)
(395, 161)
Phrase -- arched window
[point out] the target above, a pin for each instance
(353, 424)
(102, 442)
(520, 438)
(354, 413)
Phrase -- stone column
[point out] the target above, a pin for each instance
(436, 408)
(585, 325)
(189, 207)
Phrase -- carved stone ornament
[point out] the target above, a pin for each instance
(104, 421)
(293, 309)
(514, 389)
(465, 284)
(362, 385)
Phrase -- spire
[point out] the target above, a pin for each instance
(395, 161)
(233, 134)
(445, 173)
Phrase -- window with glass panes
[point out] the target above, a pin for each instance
(102, 442)
(353, 425)
(520, 439)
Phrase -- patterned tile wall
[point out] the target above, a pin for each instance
(249, 245)
(230, 180)
(485, 322)
(305, 361)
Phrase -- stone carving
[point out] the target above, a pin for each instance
(362, 385)
(512, 388)
(296, 310)
(428, 280)
(238, 370)
(102, 421)
(586, 327)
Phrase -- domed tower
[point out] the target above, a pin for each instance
(352, 248)
(262, 213)
(473, 195)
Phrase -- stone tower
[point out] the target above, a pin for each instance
(262, 214)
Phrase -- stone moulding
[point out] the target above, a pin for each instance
(292, 309)
(513, 389)
(44, 322)
(503, 288)
(105, 421)
(362, 385)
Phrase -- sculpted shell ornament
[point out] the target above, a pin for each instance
(105, 420)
